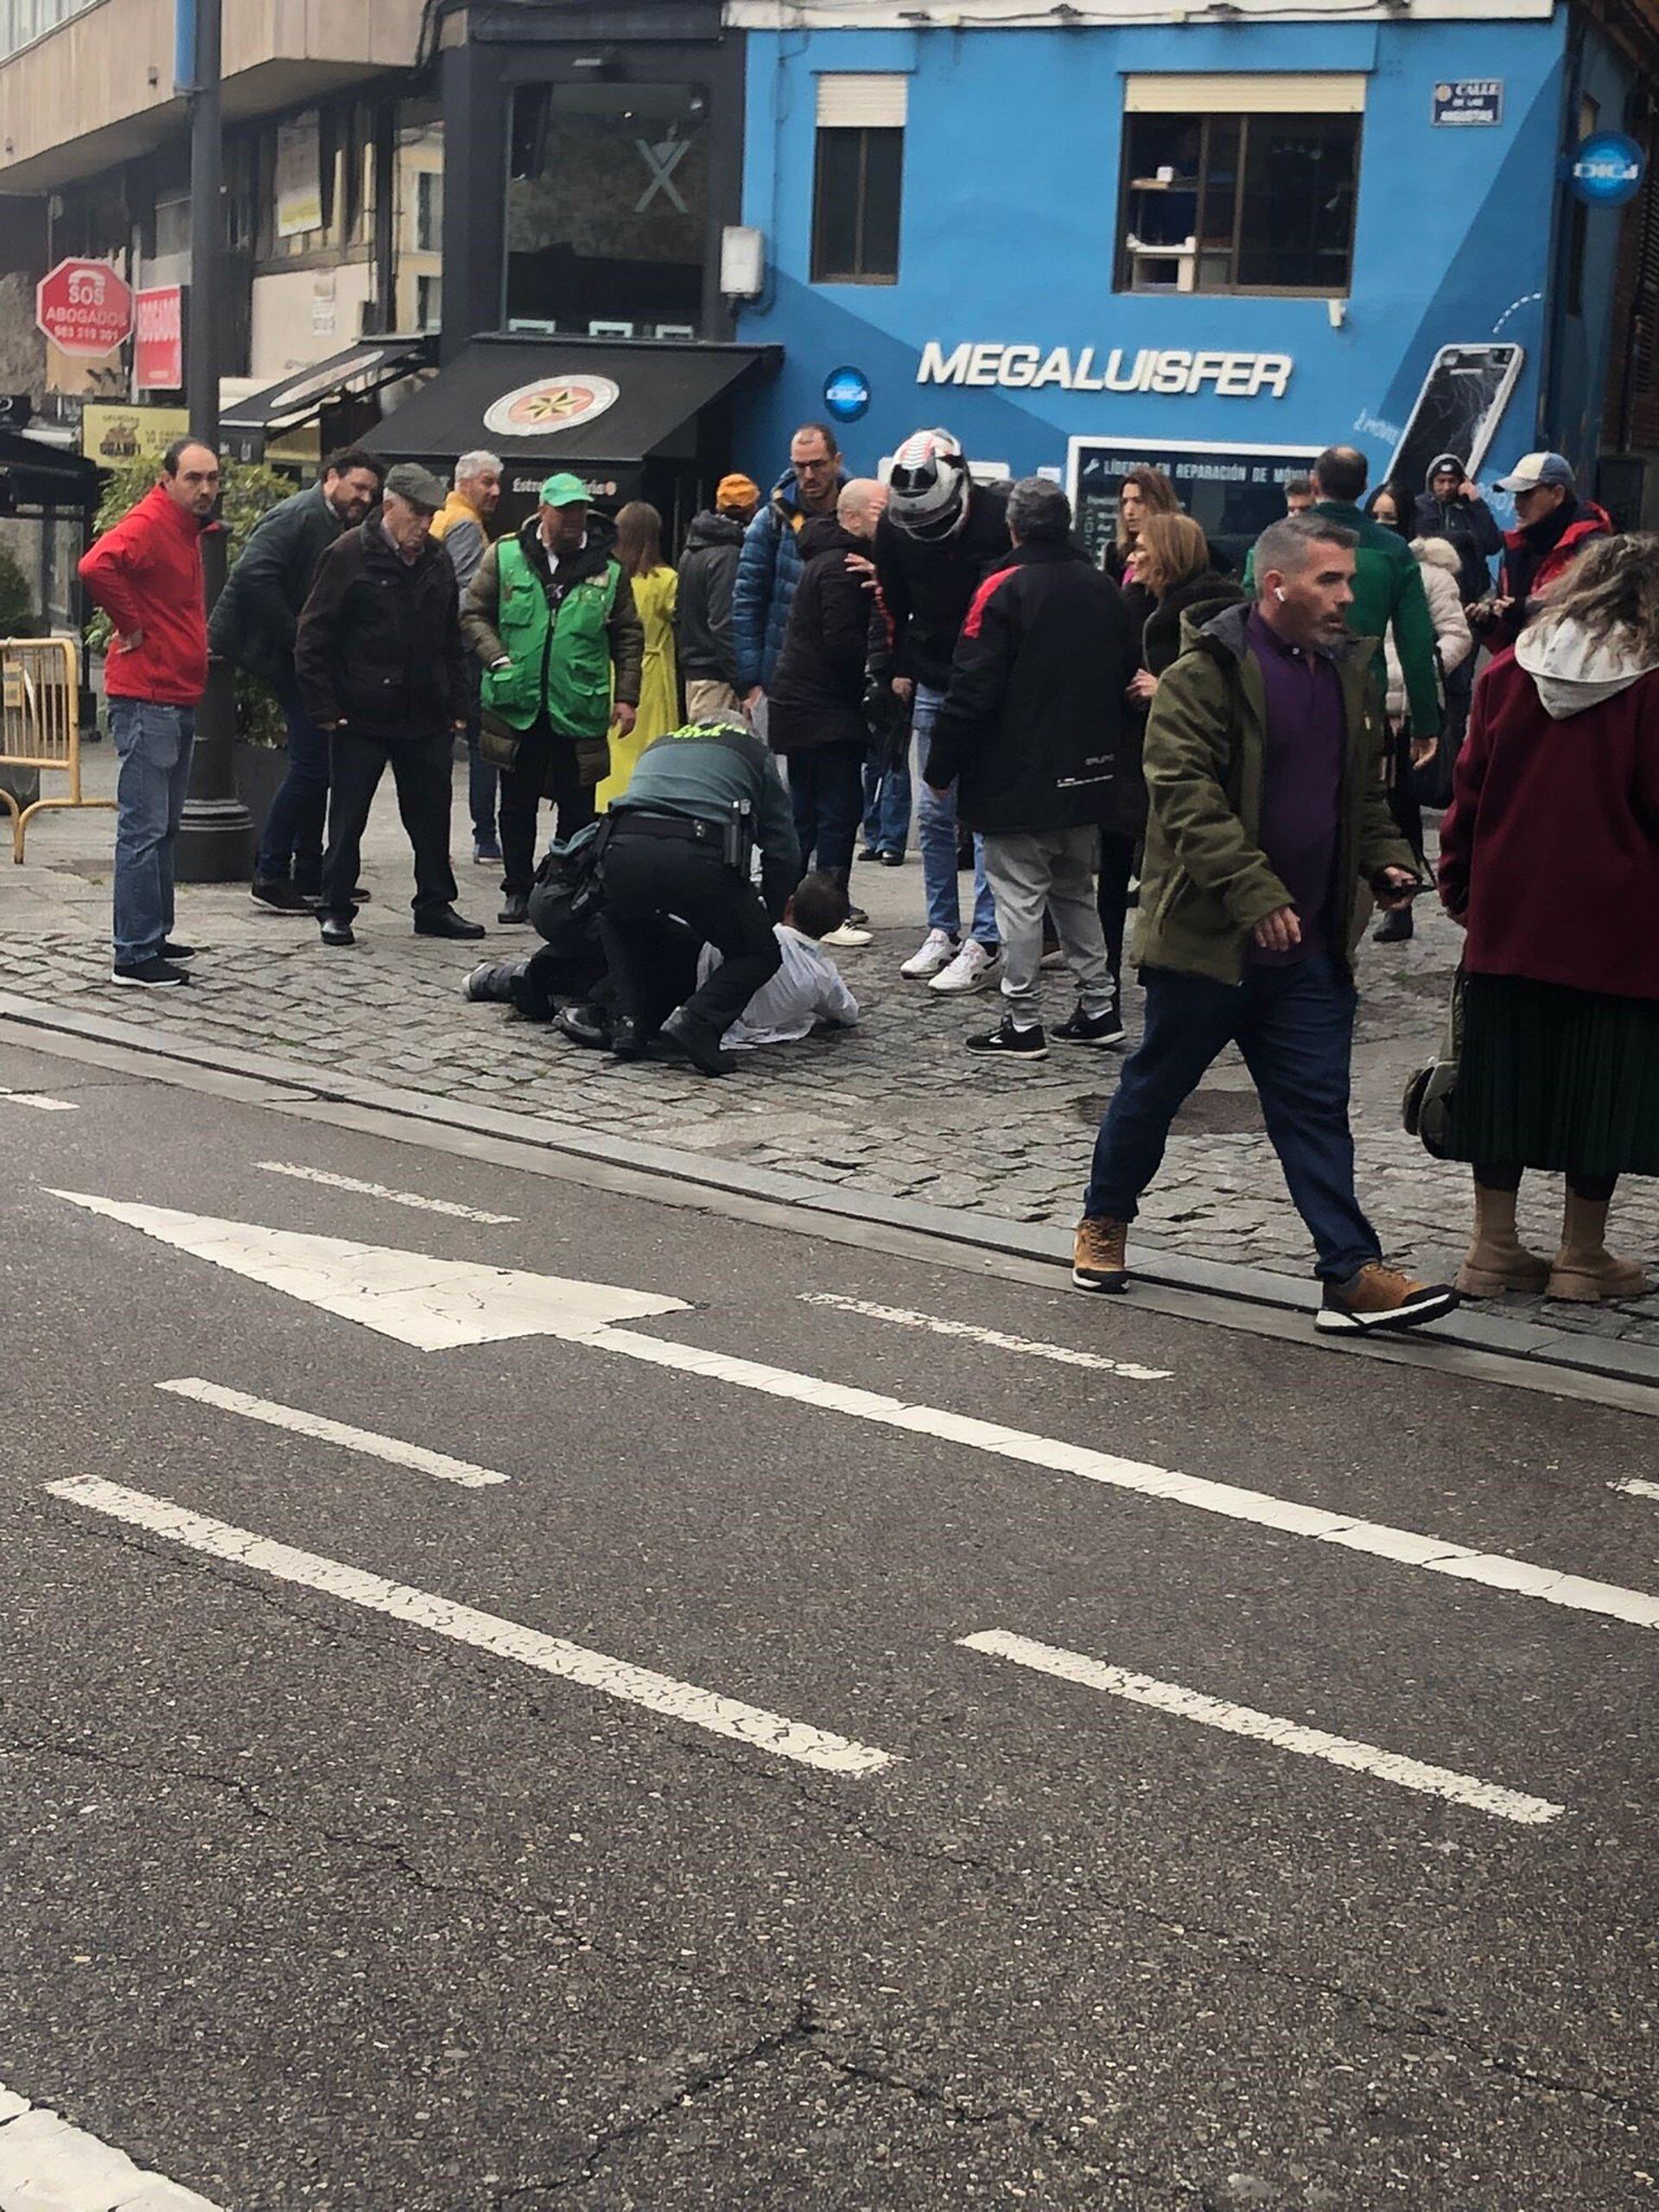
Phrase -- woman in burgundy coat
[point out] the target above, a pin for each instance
(1550, 861)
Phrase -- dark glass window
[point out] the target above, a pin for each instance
(1238, 203)
(607, 201)
(855, 206)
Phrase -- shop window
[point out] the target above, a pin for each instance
(608, 207)
(1240, 184)
(858, 181)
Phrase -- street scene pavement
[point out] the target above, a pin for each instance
(520, 1694)
(894, 1108)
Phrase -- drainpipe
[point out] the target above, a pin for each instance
(1546, 426)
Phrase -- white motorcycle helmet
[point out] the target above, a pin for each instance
(927, 491)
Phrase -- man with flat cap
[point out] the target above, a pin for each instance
(382, 667)
(552, 616)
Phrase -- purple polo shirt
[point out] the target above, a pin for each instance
(1301, 780)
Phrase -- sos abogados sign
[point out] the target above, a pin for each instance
(85, 307)
(1607, 169)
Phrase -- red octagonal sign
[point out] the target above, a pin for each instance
(83, 307)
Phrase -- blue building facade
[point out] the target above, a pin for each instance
(1014, 296)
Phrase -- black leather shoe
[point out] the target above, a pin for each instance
(629, 1039)
(444, 921)
(514, 910)
(699, 1042)
(584, 1025)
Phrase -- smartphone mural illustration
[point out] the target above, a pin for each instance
(1457, 410)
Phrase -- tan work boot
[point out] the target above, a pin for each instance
(1497, 1260)
(1381, 1297)
(1584, 1270)
(1099, 1253)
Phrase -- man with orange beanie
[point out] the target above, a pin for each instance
(708, 655)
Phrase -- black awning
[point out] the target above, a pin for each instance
(38, 479)
(357, 373)
(586, 403)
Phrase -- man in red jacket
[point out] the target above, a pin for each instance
(146, 575)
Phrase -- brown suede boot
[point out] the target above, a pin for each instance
(1498, 1261)
(1584, 1270)
(1100, 1254)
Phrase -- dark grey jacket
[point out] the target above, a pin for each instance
(257, 616)
(702, 615)
(702, 772)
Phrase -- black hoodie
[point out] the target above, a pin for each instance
(1468, 526)
(702, 617)
(816, 694)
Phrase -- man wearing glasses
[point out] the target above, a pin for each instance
(770, 565)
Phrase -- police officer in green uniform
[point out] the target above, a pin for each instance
(552, 616)
(677, 849)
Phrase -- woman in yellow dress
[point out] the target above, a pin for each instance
(655, 589)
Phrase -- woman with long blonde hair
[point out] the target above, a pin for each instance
(1549, 860)
(655, 589)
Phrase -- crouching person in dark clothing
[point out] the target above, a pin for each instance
(702, 800)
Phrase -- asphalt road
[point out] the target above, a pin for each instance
(312, 1903)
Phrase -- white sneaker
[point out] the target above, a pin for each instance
(847, 935)
(971, 969)
(938, 950)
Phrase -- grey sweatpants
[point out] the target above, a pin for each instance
(1029, 871)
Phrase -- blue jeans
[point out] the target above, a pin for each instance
(936, 833)
(155, 743)
(887, 806)
(826, 793)
(1294, 1026)
(291, 847)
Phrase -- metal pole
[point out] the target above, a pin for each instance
(215, 843)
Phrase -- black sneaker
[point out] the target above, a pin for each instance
(281, 898)
(336, 932)
(1009, 1042)
(154, 974)
(1092, 1028)
(171, 952)
(515, 910)
(487, 853)
(858, 917)
(444, 921)
(584, 1025)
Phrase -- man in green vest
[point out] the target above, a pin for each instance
(552, 616)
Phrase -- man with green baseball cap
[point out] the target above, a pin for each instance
(552, 616)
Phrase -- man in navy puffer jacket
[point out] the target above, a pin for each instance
(770, 565)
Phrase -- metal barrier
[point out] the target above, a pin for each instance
(40, 722)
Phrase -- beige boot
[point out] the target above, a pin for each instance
(1584, 1267)
(1497, 1260)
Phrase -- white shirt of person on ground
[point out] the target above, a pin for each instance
(806, 990)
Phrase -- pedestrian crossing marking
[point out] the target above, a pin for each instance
(393, 1449)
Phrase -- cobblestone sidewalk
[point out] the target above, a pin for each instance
(894, 1106)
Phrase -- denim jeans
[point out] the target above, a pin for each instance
(936, 833)
(291, 848)
(1294, 1026)
(154, 743)
(483, 781)
(886, 807)
(826, 793)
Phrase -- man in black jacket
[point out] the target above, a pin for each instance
(817, 701)
(1452, 508)
(703, 613)
(1029, 730)
(382, 669)
(254, 624)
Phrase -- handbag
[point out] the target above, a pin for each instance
(1426, 1108)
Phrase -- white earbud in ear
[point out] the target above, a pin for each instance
(1279, 591)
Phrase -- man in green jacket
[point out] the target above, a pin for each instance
(552, 616)
(1387, 583)
(1268, 820)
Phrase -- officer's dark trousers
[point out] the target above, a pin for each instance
(648, 880)
(420, 767)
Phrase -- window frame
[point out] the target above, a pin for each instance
(1206, 117)
(822, 274)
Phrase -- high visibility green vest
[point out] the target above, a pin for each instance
(562, 661)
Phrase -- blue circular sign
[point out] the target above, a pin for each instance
(847, 394)
(1607, 170)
